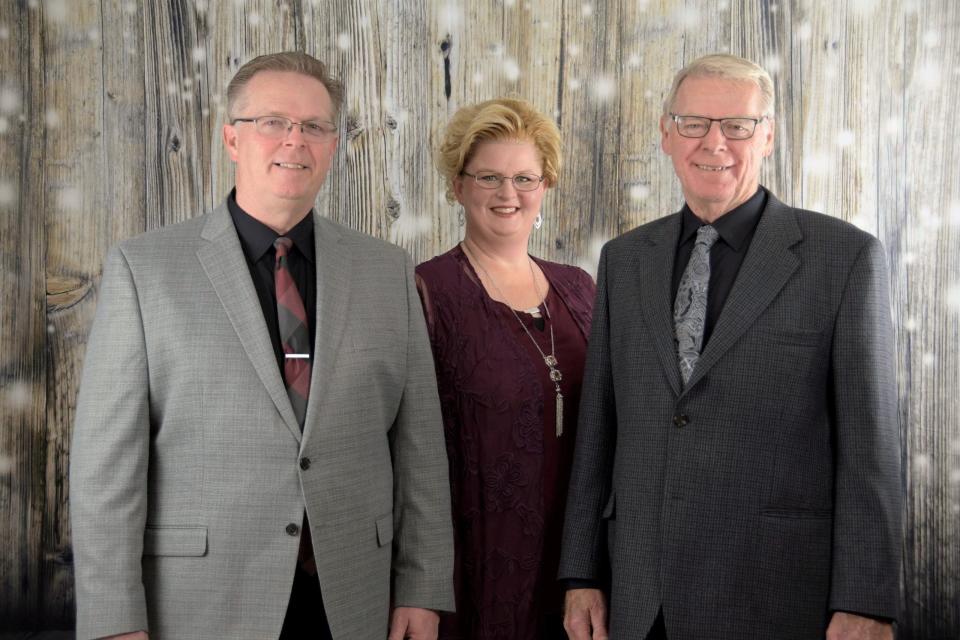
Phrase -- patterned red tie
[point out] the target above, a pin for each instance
(294, 336)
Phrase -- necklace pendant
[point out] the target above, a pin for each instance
(550, 360)
(555, 375)
(559, 414)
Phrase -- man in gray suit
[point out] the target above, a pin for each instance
(737, 462)
(258, 416)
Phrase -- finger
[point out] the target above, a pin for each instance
(577, 625)
(598, 619)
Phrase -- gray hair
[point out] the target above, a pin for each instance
(727, 67)
(290, 61)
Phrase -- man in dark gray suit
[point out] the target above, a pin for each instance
(737, 465)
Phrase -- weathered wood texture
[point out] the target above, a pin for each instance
(110, 116)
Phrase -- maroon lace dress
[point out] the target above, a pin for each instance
(508, 469)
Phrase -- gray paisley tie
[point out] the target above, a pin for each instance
(690, 307)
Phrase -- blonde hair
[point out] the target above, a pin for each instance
(727, 67)
(289, 61)
(496, 120)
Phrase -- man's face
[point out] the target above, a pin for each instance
(280, 173)
(717, 174)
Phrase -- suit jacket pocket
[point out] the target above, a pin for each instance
(385, 529)
(799, 337)
(816, 514)
(175, 541)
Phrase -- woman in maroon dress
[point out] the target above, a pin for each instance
(509, 336)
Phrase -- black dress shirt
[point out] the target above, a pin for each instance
(257, 239)
(735, 228)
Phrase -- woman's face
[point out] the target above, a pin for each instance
(504, 212)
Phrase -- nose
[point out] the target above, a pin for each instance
(507, 183)
(294, 135)
(714, 140)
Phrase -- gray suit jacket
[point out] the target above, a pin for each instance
(767, 493)
(186, 460)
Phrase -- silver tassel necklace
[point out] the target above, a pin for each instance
(548, 359)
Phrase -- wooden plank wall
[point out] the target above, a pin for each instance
(109, 125)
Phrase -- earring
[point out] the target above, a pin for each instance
(538, 221)
(460, 220)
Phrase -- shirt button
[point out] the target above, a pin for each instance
(293, 529)
(304, 463)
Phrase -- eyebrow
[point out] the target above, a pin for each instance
(309, 119)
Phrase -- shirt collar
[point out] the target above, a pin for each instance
(733, 227)
(257, 238)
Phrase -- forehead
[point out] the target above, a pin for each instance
(504, 151)
(718, 97)
(287, 93)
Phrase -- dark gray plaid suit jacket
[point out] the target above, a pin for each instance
(767, 494)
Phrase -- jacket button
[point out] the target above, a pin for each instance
(304, 463)
(681, 420)
(293, 529)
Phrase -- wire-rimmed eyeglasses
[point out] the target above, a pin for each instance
(521, 181)
(279, 127)
(732, 128)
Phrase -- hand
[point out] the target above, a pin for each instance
(136, 635)
(413, 623)
(585, 615)
(849, 626)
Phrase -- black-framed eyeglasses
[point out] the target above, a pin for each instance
(280, 127)
(731, 128)
(521, 181)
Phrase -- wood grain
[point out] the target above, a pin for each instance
(110, 125)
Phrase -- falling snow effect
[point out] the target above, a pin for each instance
(4, 125)
(8, 193)
(199, 54)
(17, 396)
(6, 465)
(56, 10)
(953, 297)
(845, 138)
(685, 18)
(4, 32)
(639, 192)
(344, 41)
(449, 16)
(407, 227)
(929, 76)
(70, 199)
(510, 69)
(603, 88)
(51, 119)
(9, 99)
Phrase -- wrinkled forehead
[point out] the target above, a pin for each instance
(735, 95)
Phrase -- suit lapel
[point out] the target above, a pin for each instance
(655, 256)
(766, 268)
(334, 268)
(221, 257)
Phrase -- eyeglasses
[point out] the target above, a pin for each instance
(732, 128)
(521, 181)
(279, 127)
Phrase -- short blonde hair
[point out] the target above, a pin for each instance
(496, 120)
(727, 67)
(285, 61)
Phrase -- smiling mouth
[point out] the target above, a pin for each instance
(708, 167)
(290, 165)
(504, 210)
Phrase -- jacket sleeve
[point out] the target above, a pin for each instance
(108, 462)
(423, 540)
(584, 550)
(868, 490)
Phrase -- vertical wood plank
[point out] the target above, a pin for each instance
(22, 323)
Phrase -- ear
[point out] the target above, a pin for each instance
(230, 141)
(768, 138)
(665, 134)
(458, 188)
